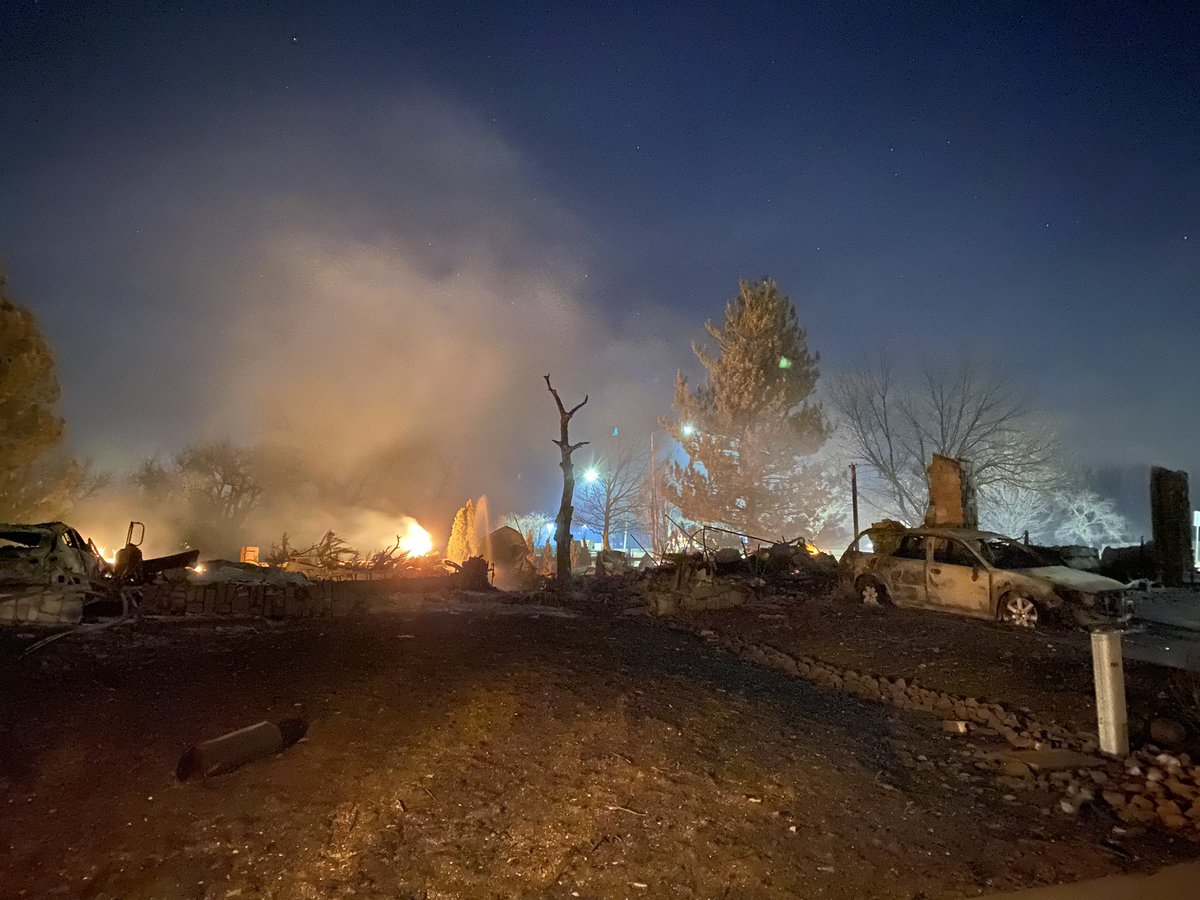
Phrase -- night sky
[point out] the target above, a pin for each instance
(1015, 181)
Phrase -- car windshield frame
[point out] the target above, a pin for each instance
(25, 539)
(1012, 554)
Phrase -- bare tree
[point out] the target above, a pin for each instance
(615, 499)
(221, 479)
(562, 533)
(1069, 514)
(963, 412)
(1089, 519)
(1013, 510)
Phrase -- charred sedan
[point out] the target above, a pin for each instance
(983, 575)
(47, 572)
(52, 575)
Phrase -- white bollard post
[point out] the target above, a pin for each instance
(1108, 671)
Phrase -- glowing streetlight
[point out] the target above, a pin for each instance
(687, 429)
(591, 475)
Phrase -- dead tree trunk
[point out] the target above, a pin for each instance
(562, 534)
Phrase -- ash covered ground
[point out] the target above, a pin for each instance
(467, 747)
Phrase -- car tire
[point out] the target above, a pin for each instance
(871, 592)
(1019, 610)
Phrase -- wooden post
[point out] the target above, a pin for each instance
(562, 534)
(1108, 672)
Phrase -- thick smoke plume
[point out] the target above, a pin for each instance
(377, 305)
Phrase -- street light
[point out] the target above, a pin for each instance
(687, 429)
(591, 475)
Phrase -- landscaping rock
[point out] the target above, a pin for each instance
(1056, 759)
(1013, 768)
(1167, 732)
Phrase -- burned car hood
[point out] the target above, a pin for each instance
(1073, 579)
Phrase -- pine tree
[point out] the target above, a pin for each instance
(752, 428)
(35, 481)
(458, 548)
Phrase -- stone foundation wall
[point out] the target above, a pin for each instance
(329, 599)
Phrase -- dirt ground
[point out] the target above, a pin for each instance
(474, 749)
(1046, 670)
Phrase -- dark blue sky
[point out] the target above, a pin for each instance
(1018, 181)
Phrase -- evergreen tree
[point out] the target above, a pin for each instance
(458, 548)
(36, 482)
(752, 428)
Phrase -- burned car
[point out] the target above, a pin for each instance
(47, 572)
(50, 574)
(983, 575)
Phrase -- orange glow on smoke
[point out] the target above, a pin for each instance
(415, 540)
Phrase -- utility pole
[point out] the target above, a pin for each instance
(653, 467)
(854, 495)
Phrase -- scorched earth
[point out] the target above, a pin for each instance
(482, 748)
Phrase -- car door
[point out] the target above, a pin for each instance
(905, 571)
(957, 579)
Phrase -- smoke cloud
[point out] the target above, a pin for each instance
(377, 299)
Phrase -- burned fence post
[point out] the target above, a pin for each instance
(562, 533)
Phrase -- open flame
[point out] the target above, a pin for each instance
(415, 540)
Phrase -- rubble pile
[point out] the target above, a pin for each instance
(1156, 785)
(1151, 787)
(693, 582)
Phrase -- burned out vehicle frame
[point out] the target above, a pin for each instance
(47, 572)
(983, 575)
(51, 574)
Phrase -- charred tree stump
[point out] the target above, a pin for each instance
(562, 533)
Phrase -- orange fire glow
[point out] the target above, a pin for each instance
(414, 540)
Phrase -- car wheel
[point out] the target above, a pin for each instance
(1018, 610)
(871, 592)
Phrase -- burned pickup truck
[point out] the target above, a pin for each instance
(50, 574)
(980, 574)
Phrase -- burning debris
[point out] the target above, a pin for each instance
(409, 554)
